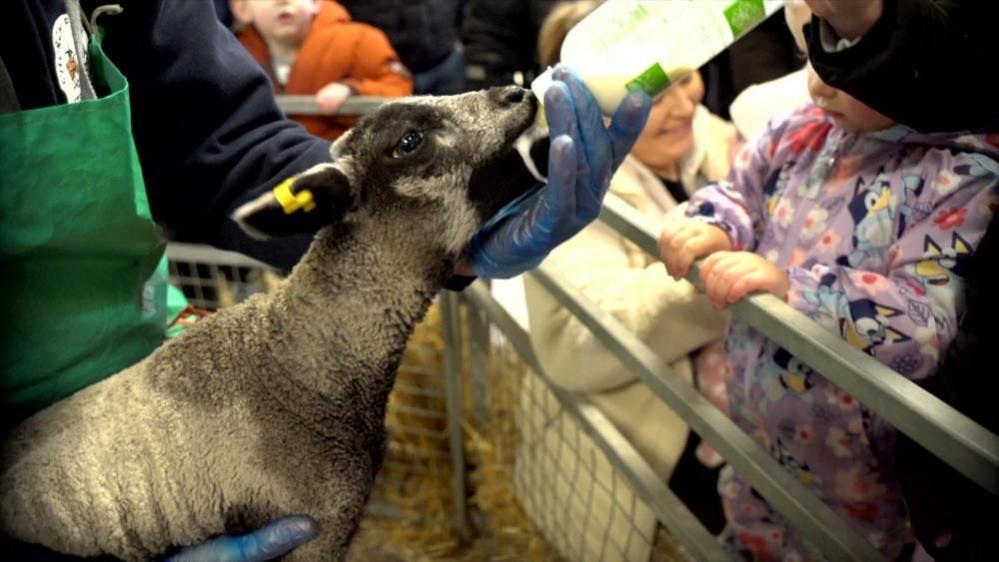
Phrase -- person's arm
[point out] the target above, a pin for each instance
(737, 204)
(208, 131)
(921, 62)
(668, 315)
(376, 70)
(726, 216)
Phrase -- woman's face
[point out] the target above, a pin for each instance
(668, 135)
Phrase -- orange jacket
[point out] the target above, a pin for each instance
(336, 50)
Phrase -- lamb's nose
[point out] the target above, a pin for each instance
(509, 95)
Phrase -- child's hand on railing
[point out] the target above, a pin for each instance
(683, 240)
(331, 96)
(727, 277)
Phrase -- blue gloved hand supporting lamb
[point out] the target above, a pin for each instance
(267, 543)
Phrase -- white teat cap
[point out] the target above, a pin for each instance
(540, 84)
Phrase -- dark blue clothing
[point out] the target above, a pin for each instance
(501, 39)
(445, 79)
(223, 12)
(423, 32)
(208, 131)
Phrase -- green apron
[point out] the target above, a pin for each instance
(82, 270)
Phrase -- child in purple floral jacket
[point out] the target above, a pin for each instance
(867, 227)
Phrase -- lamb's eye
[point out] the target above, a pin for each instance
(407, 144)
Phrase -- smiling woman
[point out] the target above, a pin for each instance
(668, 136)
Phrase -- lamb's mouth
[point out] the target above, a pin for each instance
(532, 142)
(507, 177)
(533, 151)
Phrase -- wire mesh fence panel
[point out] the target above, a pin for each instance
(575, 505)
(213, 279)
(505, 530)
(571, 488)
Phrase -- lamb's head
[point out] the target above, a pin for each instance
(439, 167)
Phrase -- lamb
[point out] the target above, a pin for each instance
(277, 406)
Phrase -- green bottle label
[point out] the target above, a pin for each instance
(652, 81)
(744, 14)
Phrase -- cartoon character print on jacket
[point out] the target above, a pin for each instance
(873, 211)
(825, 304)
(782, 372)
(797, 469)
(940, 263)
(869, 324)
(912, 208)
(774, 186)
(875, 239)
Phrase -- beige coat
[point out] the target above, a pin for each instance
(667, 315)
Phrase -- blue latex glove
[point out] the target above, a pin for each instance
(267, 543)
(584, 155)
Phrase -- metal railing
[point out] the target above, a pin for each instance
(947, 433)
(652, 489)
(952, 436)
(306, 105)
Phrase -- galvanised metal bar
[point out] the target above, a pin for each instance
(306, 105)
(785, 493)
(451, 324)
(947, 433)
(669, 509)
(478, 348)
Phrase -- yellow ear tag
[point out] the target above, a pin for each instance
(292, 202)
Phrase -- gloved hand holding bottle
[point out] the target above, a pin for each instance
(583, 156)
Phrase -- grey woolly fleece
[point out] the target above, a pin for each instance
(261, 410)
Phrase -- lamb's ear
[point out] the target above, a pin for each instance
(302, 203)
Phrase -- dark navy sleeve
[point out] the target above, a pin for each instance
(208, 131)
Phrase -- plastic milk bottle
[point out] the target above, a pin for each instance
(649, 44)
